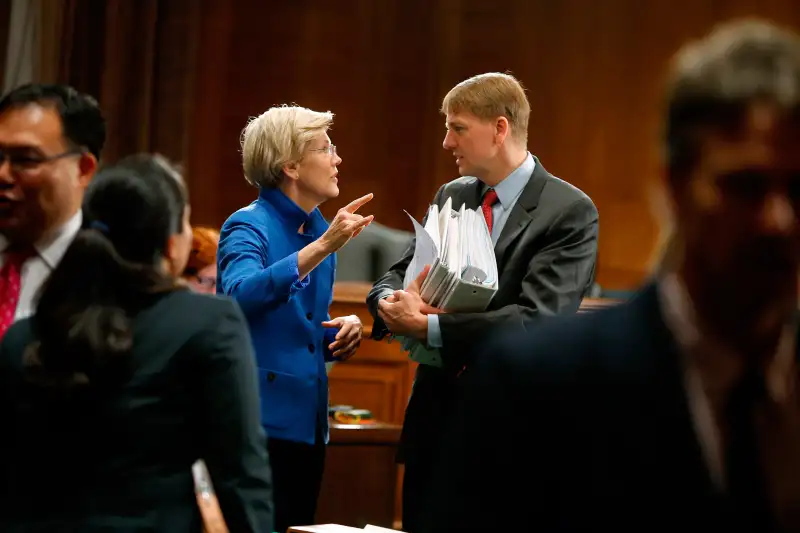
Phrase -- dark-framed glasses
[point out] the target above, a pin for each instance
(22, 161)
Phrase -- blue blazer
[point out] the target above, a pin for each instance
(257, 266)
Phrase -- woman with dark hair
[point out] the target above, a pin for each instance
(123, 378)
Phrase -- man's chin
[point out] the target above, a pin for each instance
(19, 229)
(9, 224)
(464, 170)
(14, 235)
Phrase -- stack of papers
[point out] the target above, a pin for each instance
(463, 275)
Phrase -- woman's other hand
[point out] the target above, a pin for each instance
(348, 339)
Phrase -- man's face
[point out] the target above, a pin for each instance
(42, 178)
(739, 211)
(472, 141)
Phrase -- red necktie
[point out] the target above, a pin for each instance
(489, 199)
(10, 285)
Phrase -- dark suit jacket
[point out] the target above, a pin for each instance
(546, 257)
(120, 460)
(583, 425)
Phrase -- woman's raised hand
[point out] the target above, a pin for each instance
(346, 225)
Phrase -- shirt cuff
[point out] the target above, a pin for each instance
(379, 329)
(286, 276)
(434, 332)
(385, 294)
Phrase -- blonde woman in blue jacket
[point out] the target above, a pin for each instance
(276, 258)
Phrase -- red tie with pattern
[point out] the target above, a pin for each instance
(489, 199)
(10, 284)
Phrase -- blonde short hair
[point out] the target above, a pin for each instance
(492, 95)
(277, 137)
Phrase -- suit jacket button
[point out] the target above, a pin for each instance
(309, 316)
(270, 377)
(311, 348)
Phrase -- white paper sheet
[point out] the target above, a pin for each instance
(425, 252)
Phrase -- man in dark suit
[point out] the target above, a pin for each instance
(680, 409)
(545, 234)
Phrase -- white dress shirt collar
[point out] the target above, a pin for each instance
(53, 247)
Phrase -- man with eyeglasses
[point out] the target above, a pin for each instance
(51, 137)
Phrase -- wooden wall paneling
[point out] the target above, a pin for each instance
(381, 388)
(82, 57)
(178, 37)
(5, 21)
(128, 81)
(206, 145)
(137, 59)
(360, 60)
(358, 486)
(443, 54)
(52, 17)
(380, 375)
(594, 74)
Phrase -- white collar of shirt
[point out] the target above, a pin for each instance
(36, 270)
(53, 248)
(512, 185)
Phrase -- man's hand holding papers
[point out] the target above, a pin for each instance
(453, 270)
(404, 312)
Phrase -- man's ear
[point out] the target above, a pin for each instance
(502, 129)
(292, 170)
(87, 166)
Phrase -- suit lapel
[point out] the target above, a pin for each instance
(522, 213)
(671, 412)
